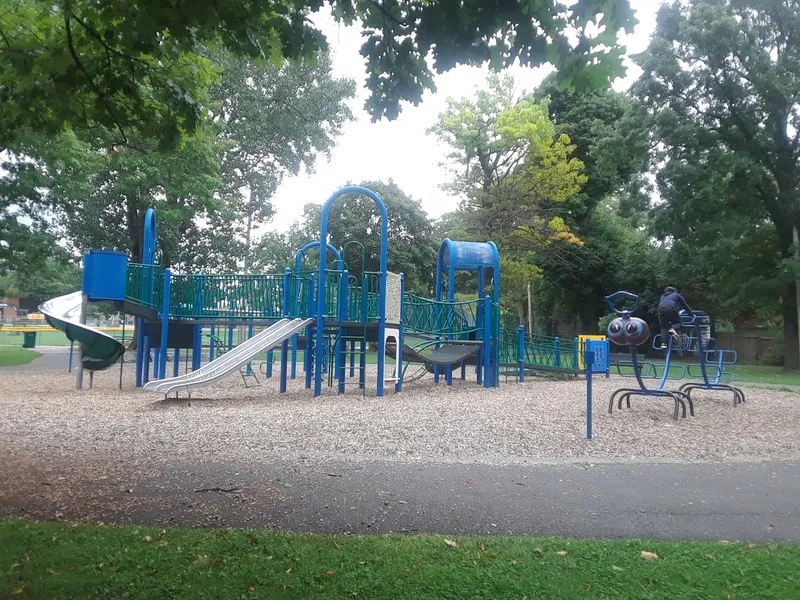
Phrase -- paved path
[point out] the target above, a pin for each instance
(54, 358)
(744, 501)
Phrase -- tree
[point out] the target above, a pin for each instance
(611, 138)
(56, 276)
(610, 133)
(722, 79)
(730, 266)
(412, 246)
(615, 255)
(210, 194)
(133, 67)
(276, 121)
(512, 172)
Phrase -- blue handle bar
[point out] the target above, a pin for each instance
(611, 303)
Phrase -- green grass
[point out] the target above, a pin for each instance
(52, 337)
(54, 560)
(743, 373)
(12, 357)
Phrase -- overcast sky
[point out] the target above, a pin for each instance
(401, 149)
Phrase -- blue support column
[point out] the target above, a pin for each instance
(382, 330)
(197, 347)
(362, 376)
(287, 298)
(521, 353)
(588, 361)
(230, 337)
(340, 346)
(176, 362)
(162, 367)
(197, 343)
(311, 339)
(156, 362)
(487, 318)
(270, 360)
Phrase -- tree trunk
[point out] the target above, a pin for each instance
(791, 351)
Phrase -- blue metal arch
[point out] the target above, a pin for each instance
(298, 257)
(467, 256)
(323, 239)
(150, 240)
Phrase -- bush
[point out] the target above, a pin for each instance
(774, 357)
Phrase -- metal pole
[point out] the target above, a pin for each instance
(588, 360)
(79, 375)
(122, 358)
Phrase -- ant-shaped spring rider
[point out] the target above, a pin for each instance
(626, 330)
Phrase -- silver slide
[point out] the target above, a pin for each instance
(230, 361)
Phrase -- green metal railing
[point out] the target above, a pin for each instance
(423, 315)
(145, 285)
(238, 296)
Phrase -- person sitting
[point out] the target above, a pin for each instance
(669, 317)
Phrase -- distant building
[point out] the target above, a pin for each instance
(9, 309)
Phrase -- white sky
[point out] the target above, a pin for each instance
(401, 149)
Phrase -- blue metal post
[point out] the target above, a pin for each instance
(521, 353)
(323, 229)
(362, 376)
(270, 360)
(588, 360)
(340, 344)
(487, 319)
(162, 366)
(310, 340)
(176, 362)
(197, 347)
(71, 347)
(287, 299)
(382, 330)
(230, 337)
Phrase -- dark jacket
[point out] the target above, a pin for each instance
(674, 301)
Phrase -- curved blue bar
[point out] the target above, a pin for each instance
(323, 237)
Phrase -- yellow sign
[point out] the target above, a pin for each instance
(582, 339)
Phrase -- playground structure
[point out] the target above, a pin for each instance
(709, 371)
(328, 313)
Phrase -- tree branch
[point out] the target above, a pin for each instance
(79, 64)
(96, 35)
(386, 13)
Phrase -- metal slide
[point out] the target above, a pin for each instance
(230, 361)
(100, 350)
